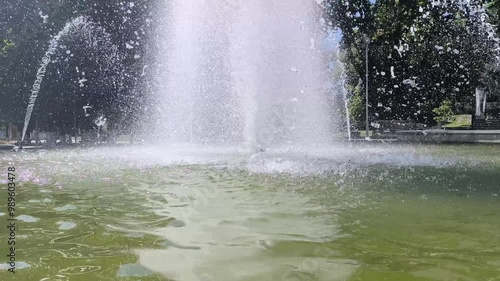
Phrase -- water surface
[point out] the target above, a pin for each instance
(185, 213)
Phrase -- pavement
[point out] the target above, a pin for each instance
(450, 136)
(6, 146)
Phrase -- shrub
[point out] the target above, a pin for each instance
(444, 113)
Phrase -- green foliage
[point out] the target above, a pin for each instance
(5, 46)
(420, 54)
(493, 8)
(357, 105)
(26, 27)
(444, 113)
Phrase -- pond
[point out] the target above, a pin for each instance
(350, 212)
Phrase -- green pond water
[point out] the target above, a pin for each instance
(357, 213)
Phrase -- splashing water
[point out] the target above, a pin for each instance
(239, 74)
(95, 38)
(476, 11)
(54, 43)
(340, 87)
(488, 28)
(346, 106)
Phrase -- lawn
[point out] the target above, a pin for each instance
(463, 121)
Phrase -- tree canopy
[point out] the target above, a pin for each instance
(421, 53)
(78, 75)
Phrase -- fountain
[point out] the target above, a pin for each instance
(239, 74)
(248, 74)
(343, 90)
(100, 122)
(95, 38)
(339, 87)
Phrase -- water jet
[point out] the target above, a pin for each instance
(94, 38)
(243, 76)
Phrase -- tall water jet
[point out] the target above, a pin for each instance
(339, 84)
(347, 112)
(94, 37)
(240, 72)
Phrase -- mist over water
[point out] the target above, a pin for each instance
(240, 72)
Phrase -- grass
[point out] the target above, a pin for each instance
(463, 121)
(363, 133)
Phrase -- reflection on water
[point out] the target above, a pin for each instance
(359, 213)
(241, 226)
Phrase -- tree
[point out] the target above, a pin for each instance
(443, 113)
(421, 53)
(28, 25)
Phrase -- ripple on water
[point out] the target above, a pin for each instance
(65, 225)
(177, 223)
(81, 269)
(167, 244)
(67, 207)
(133, 270)
(46, 200)
(27, 218)
(19, 265)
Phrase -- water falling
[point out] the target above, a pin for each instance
(94, 37)
(346, 108)
(40, 74)
(476, 11)
(244, 72)
(486, 27)
(339, 87)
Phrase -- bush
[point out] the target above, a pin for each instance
(444, 113)
(357, 106)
